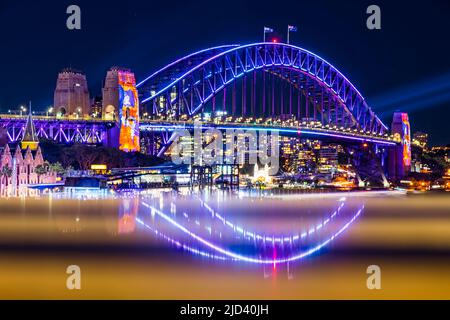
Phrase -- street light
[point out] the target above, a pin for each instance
(78, 113)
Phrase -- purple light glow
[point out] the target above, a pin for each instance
(285, 130)
(256, 236)
(60, 130)
(183, 58)
(239, 257)
(256, 67)
(247, 46)
(179, 244)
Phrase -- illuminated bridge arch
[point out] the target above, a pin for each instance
(268, 80)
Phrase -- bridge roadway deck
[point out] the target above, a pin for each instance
(292, 128)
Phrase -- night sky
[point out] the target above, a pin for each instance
(405, 65)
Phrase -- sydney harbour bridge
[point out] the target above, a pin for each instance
(262, 86)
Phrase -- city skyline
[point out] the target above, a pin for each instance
(380, 66)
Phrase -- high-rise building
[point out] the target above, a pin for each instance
(71, 98)
(328, 158)
(306, 160)
(96, 107)
(420, 139)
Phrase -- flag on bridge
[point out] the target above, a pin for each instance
(266, 30)
(290, 29)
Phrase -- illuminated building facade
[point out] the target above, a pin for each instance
(288, 154)
(400, 156)
(96, 107)
(120, 103)
(185, 148)
(71, 97)
(441, 151)
(308, 156)
(111, 92)
(306, 161)
(128, 112)
(327, 158)
(420, 139)
(18, 165)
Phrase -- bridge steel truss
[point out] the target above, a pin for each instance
(317, 90)
(59, 130)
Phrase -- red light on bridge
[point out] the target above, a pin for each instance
(275, 40)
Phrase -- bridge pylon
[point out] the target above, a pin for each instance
(400, 155)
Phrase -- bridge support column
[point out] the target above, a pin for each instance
(400, 156)
(368, 166)
(396, 169)
(111, 137)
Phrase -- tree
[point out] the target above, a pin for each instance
(40, 170)
(81, 157)
(85, 156)
(6, 172)
(57, 168)
(66, 157)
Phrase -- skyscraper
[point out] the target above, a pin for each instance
(96, 107)
(71, 97)
(420, 139)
